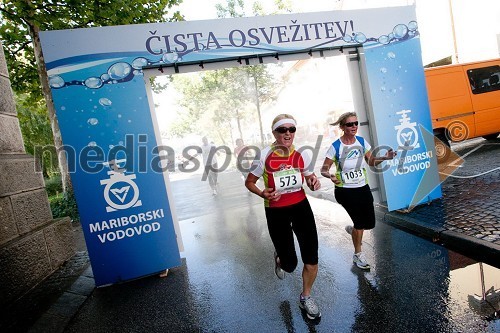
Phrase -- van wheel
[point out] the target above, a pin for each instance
(491, 136)
(442, 146)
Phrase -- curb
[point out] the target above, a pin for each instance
(57, 317)
(477, 249)
(409, 224)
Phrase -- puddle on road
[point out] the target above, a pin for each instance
(475, 286)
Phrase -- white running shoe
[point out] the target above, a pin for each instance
(214, 193)
(348, 229)
(360, 260)
(310, 307)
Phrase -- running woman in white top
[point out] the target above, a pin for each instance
(351, 154)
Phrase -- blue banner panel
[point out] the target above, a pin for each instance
(402, 121)
(116, 172)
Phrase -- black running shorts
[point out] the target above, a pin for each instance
(282, 223)
(358, 202)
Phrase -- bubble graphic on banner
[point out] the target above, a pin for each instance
(93, 83)
(383, 70)
(170, 57)
(413, 26)
(93, 121)
(140, 62)
(119, 70)
(391, 55)
(55, 81)
(360, 37)
(92, 144)
(400, 31)
(104, 101)
(347, 39)
(384, 39)
(105, 77)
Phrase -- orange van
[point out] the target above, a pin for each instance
(464, 100)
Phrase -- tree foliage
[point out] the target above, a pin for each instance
(21, 22)
(21, 16)
(236, 8)
(214, 100)
(36, 131)
(233, 8)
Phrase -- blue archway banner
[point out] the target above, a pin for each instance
(109, 134)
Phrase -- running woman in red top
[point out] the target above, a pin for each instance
(284, 171)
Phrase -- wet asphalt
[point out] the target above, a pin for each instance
(226, 282)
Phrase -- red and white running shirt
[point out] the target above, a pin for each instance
(283, 173)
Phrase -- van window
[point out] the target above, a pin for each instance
(485, 79)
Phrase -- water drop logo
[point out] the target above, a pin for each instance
(118, 187)
(407, 133)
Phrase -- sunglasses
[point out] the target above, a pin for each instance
(351, 124)
(283, 130)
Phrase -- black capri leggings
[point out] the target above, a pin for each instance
(358, 202)
(282, 222)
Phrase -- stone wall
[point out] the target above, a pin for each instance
(32, 243)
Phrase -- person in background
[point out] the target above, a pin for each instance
(241, 154)
(284, 170)
(209, 153)
(351, 153)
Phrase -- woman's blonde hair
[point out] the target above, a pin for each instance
(282, 116)
(342, 119)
